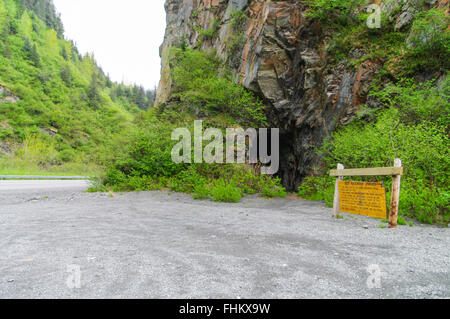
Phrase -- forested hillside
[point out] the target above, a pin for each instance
(58, 109)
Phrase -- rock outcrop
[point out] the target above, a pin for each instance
(278, 52)
(6, 96)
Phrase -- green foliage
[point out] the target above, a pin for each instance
(3, 16)
(225, 192)
(194, 14)
(429, 43)
(236, 39)
(34, 56)
(149, 154)
(210, 33)
(318, 188)
(66, 75)
(401, 221)
(203, 92)
(201, 191)
(146, 164)
(418, 48)
(271, 187)
(238, 18)
(45, 11)
(413, 127)
(39, 155)
(418, 102)
(340, 12)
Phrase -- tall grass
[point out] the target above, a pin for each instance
(38, 155)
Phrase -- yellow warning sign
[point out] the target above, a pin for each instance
(368, 199)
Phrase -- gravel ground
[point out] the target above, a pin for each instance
(160, 245)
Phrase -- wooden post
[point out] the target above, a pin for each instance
(336, 206)
(395, 199)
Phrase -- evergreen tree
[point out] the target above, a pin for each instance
(6, 50)
(31, 52)
(108, 81)
(34, 56)
(94, 98)
(27, 46)
(119, 90)
(140, 98)
(46, 11)
(64, 53)
(66, 75)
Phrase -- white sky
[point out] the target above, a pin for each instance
(124, 35)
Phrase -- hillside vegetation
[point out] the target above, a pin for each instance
(59, 112)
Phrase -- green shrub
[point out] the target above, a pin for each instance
(318, 188)
(67, 155)
(270, 187)
(187, 180)
(114, 177)
(201, 191)
(222, 191)
(210, 33)
(149, 153)
(334, 11)
(401, 221)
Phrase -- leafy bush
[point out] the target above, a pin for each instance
(201, 191)
(270, 187)
(225, 192)
(149, 154)
(418, 102)
(318, 188)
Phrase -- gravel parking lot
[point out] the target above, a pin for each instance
(161, 245)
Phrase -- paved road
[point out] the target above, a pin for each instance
(156, 245)
(49, 186)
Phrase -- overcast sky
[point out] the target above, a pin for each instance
(124, 35)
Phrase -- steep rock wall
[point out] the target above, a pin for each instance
(279, 53)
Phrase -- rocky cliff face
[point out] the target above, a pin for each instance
(276, 51)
